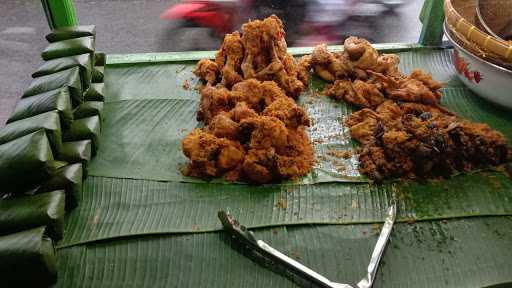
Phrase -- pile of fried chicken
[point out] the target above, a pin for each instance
(402, 129)
(254, 130)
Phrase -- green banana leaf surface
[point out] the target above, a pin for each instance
(424, 254)
(58, 99)
(23, 162)
(69, 47)
(67, 78)
(32, 211)
(141, 223)
(64, 33)
(28, 259)
(82, 61)
(49, 122)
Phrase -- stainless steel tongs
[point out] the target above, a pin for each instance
(241, 233)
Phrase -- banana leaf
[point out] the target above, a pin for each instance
(100, 59)
(94, 93)
(28, 259)
(23, 162)
(76, 152)
(58, 99)
(172, 207)
(82, 61)
(31, 211)
(68, 178)
(97, 74)
(70, 47)
(89, 109)
(64, 33)
(67, 78)
(471, 252)
(49, 121)
(84, 129)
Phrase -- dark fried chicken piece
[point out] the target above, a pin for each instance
(411, 139)
(211, 156)
(286, 110)
(359, 93)
(257, 94)
(263, 132)
(207, 70)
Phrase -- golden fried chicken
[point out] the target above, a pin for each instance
(387, 64)
(223, 127)
(263, 132)
(241, 112)
(359, 93)
(286, 110)
(257, 94)
(229, 58)
(215, 99)
(211, 156)
(361, 53)
(330, 66)
(207, 70)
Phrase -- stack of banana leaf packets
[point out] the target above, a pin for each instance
(44, 150)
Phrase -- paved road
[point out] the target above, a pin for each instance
(134, 26)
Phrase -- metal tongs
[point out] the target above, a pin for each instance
(241, 233)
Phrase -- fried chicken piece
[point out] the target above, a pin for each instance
(359, 93)
(215, 100)
(417, 87)
(260, 165)
(229, 58)
(211, 156)
(257, 94)
(361, 53)
(207, 70)
(241, 112)
(223, 127)
(297, 157)
(287, 110)
(263, 132)
(304, 67)
(387, 64)
(330, 66)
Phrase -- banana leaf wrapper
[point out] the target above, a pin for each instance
(49, 121)
(82, 61)
(23, 162)
(84, 129)
(95, 92)
(28, 259)
(89, 109)
(69, 77)
(100, 59)
(65, 33)
(31, 211)
(69, 47)
(68, 178)
(77, 152)
(98, 74)
(58, 100)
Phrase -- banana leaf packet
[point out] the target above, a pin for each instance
(28, 259)
(66, 78)
(58, 99)
(84, 129)
(83, 62)
(70, 47)
(65, 33)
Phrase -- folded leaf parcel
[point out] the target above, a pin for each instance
(254, 131)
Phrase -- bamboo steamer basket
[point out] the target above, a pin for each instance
(495, 17)
(461, 18)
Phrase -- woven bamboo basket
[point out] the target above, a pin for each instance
(495, 17)
(461, 17)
